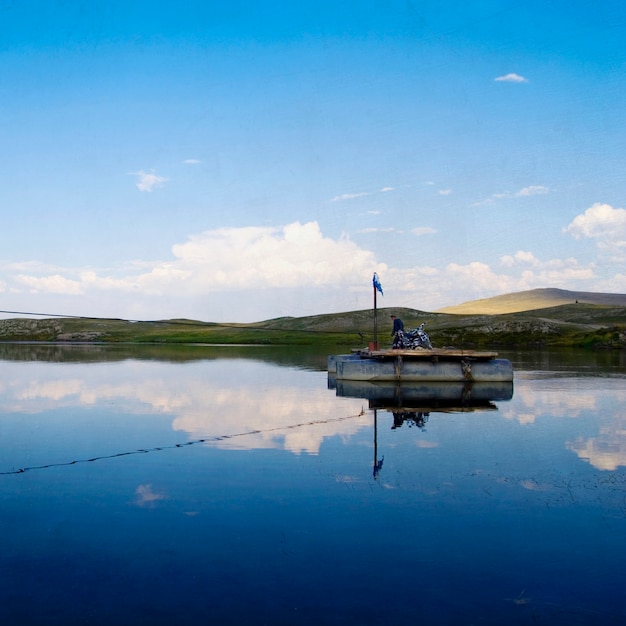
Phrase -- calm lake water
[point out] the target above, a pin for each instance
(202, 485)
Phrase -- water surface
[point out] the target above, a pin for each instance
(232, 485)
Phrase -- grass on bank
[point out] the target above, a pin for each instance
(571, 325)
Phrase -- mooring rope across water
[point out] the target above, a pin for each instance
(194, 442)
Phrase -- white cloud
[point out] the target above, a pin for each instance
(191, 161)
(50, 284)
(148, 181)
(606, 452)
(533, 190)
(598, 221)
(360, 194)
(420, 230)
(533, 272)
(519, 257)
(614, 284)
(511, 78)
(479, 277)
(445, 192)
(146, 496)
(423, 230)
(255, 273)
(379, 230)
(349, 196)
(525, 192)
(291, 270)
(257, 257)
(606, 225)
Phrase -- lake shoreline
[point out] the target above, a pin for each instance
(580, 326)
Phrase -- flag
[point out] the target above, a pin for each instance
(377, 284)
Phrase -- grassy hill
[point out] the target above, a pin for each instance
(533, 299)
(579, 325)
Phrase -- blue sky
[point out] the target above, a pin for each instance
(246, 160)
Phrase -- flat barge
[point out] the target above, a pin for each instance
(420, 365)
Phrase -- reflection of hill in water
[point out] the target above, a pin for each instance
(571, 362)
(291, 356)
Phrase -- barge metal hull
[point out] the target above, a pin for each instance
(421, 366)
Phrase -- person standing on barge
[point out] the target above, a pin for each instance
(398, 327)
(398, 324)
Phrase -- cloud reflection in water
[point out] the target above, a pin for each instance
(215, 398)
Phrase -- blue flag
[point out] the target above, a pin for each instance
(377, 284)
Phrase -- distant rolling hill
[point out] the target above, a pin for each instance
(532, 300)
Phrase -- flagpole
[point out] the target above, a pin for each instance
(377, 287)
(375, 346)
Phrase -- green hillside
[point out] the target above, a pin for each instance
(579, 325)
(533, 299)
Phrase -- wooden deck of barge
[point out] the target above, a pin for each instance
(423, 353)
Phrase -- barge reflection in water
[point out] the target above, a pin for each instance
(436, 395)
(412, 403)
